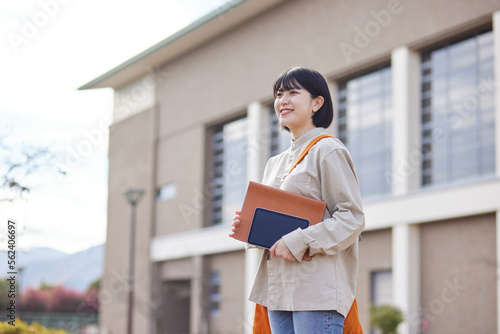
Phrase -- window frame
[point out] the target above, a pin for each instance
(214, 192)
(432, 177)
(342, 129)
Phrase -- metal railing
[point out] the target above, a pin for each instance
(71, 322)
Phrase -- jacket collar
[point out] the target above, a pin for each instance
(307, 137)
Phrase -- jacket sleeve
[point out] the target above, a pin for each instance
(340, 190)
(267, 170)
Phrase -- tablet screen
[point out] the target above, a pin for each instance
(269, 226)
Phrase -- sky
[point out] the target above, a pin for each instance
(49, 48)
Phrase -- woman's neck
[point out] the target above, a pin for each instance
(297, 133)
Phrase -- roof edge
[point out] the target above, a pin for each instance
(227, 6)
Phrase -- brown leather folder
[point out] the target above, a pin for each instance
(266, 197)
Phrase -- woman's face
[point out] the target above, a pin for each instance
(295, 108)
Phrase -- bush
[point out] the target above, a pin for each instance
(59, 299)
(90, 301)
(386, 318)
(33, 300)
(24, 328)
(64, 299)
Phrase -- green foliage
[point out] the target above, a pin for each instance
(95, 285)
(23, 328)
(386, 318)
(4, 293)
(45, 286)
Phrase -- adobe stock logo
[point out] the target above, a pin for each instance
(363, 37)
(32, 26)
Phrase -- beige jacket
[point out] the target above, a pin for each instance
(328, 281)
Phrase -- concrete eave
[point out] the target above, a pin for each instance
(214, 24)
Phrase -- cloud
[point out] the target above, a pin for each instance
(74, 42)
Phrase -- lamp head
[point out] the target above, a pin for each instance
(133, 195)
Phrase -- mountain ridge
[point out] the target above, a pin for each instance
(49, 266)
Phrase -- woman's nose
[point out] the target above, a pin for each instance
(284, 99)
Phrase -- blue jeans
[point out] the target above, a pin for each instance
(306, 322)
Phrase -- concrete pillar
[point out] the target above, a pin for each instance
(406, 129)
(498, 267)
(138, 99)
(406, 275)
(197, 321)
(259, 140)
(259, 143)
(334, 128)
(496, 52)
(406, 177)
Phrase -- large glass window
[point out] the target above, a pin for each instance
(364, 124)
(381, 287)
(229, 166)
(458, 111)
(214, 293)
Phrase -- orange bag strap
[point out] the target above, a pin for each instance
(306, 150)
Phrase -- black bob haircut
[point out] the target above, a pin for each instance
(315, 84)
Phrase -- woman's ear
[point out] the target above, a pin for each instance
(318, 103)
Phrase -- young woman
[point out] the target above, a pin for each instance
(308, 278)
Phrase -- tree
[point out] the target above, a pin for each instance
(35, 300)
(386, 318)
(45, 286)
(95, 285)
(60, 299)
(4, 293)
(18, 164)
(63, 299)
(90, 304)
(91, 298)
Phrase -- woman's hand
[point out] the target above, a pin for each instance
(281, 249)
(236, 222)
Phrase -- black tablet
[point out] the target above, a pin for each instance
(269, 226)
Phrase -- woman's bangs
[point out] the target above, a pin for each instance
(286, 82)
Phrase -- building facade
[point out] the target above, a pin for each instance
(416, 102)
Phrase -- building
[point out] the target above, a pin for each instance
(417, 101)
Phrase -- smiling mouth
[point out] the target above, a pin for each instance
(285, 112)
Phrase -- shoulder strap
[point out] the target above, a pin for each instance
(306, 150)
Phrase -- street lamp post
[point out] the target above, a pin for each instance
(133, 197)
(19, 287)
